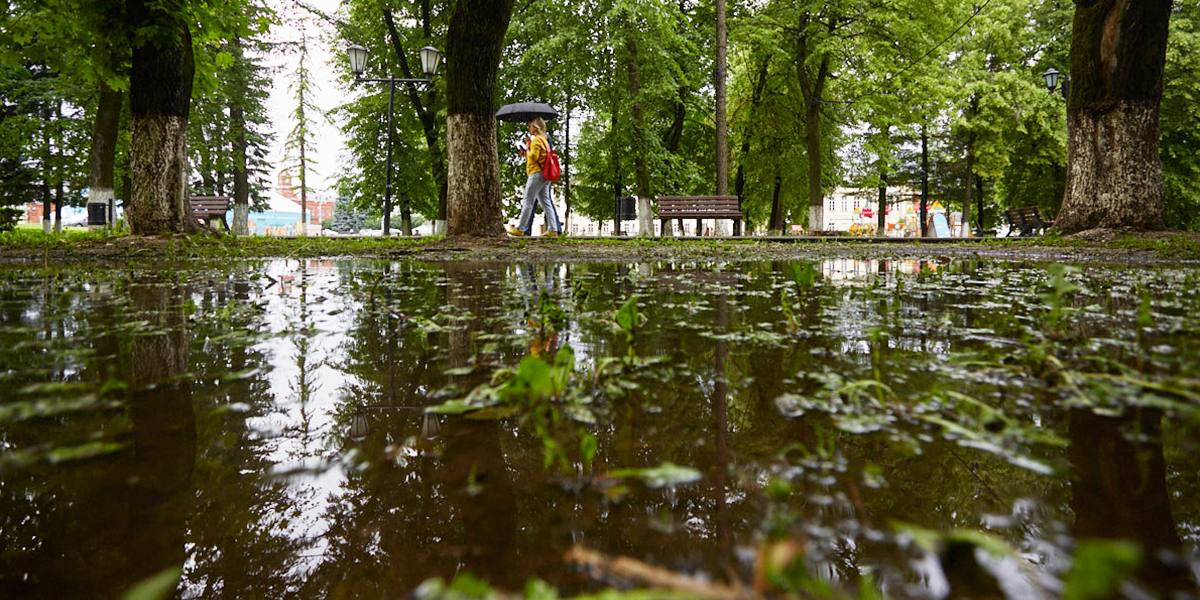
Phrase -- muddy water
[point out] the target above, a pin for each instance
(925, 428)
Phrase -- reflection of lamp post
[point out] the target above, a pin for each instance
(360, 425)
(431, 427)
(430, 57)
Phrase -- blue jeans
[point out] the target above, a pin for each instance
(537, 189)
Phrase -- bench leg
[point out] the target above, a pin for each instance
(737, 228)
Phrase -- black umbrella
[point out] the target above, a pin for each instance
(524, 112)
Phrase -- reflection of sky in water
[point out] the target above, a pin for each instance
(304, 303)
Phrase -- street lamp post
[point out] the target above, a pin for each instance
(430, 58)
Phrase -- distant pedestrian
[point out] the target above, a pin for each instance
(537, 187)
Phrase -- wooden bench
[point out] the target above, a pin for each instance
(700, 208)
(1026, 221)
(207, 208)
(980, 231)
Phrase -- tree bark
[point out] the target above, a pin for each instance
(474, 43)
(1114, 179)
(104, 149)
(160, 92)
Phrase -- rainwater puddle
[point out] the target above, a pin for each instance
(316, 429)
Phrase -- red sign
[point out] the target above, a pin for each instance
(868, 213)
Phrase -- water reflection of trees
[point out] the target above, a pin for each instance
(477, 497)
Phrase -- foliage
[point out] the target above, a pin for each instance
(364, 116)
(346, 219)
(239, 81)
(1181, 120)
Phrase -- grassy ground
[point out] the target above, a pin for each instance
(76, 245)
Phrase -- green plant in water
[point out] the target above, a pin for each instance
(1059, 293)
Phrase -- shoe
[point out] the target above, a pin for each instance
(550, 234)
(513, 231)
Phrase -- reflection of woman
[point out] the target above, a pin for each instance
(537, 187)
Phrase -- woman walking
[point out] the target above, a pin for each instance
(537, 188)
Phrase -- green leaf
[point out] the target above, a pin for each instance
(1100, 567)
(660, 476)
(155, 587)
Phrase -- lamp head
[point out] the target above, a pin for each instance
(430, 58)
(358, 59)
(1051, 78)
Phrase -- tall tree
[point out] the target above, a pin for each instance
(300, 138)
(1115, 179)
(160, 95)
(1181, 119)
(473, 48)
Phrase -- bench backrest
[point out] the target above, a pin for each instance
(209, 204)
(698, 204)
(1031, 214)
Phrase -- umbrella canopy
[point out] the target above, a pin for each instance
(524, 112)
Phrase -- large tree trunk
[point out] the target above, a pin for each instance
(641, 168)
(1114, 179)
(474, 42)
(104, 152)
(160, 93)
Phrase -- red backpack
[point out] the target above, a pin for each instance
(550, 169)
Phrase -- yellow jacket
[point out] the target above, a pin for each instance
(536, 155)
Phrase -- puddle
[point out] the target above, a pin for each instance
(353, 428)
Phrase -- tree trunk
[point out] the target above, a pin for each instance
(641, 177)
(881, 218)
(812, 87)
(241, 178)
(474, 42)
(970, 191)
(924, 229)
(160, 92)
(104, 151)
(739, 180)
(47, 175)
(721, 125)
(1114, 179)
(776, 224)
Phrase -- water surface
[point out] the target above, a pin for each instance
(265, 426)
